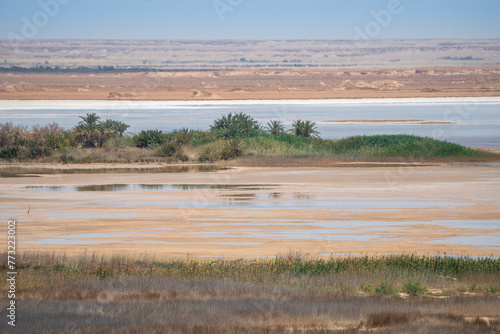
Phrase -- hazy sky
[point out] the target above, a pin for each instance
(249, 19)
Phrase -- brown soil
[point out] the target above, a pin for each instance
(256, 84)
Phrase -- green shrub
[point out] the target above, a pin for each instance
(368, 288)
(208, 154)
(406, 146)
(147, 138)
(57, 142)
(475, 288)
(58, 267)
(37, 150)
(235, 125)
(9, 152)
(167, 149)
(493, 288)
(385, 288)
(414, 288)
(183, 136)
(202, 137)
(231, 149)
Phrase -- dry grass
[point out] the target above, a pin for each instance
(94, 294)
(106, 155)
(146, 305)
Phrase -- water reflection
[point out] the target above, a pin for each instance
(157, 187)
(29, 171)
(7, 174)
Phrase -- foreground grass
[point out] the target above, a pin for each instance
(291, 293)
(482, 275)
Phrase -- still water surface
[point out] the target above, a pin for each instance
(473, 122)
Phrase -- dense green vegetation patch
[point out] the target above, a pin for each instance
(403, 146)
(230, 136)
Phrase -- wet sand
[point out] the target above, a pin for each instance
(261, 211)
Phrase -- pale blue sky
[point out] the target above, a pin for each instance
(249, 19)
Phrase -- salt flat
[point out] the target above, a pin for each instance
(107, 104)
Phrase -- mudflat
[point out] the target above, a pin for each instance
(260, 211)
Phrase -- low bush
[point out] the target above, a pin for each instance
(385, 288)
(367, 288)
(231, 149)
(9, 152)
(147, 138)
(167, 149)
(208, 154)
(57, 142)
(183, 136)
(475, 288)
(493, 288)
(414, 288)
(202, 138)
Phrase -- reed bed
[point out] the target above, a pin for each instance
(354, 275)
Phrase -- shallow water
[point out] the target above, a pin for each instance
(475, 121)
(286, 215)
(73, 242)
(360, 231)
(372, 205)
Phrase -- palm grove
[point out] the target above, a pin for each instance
(228, 132)
(93, 139)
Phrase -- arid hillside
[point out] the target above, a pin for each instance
(178, 54)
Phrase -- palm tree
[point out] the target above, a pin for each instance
(234, 125)
(104, 132)
(92, 132)
(87, 129)
(89, 122)
(247, 122)
(275, 128)
(183, 136)
(304, 129)
(120, 128)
